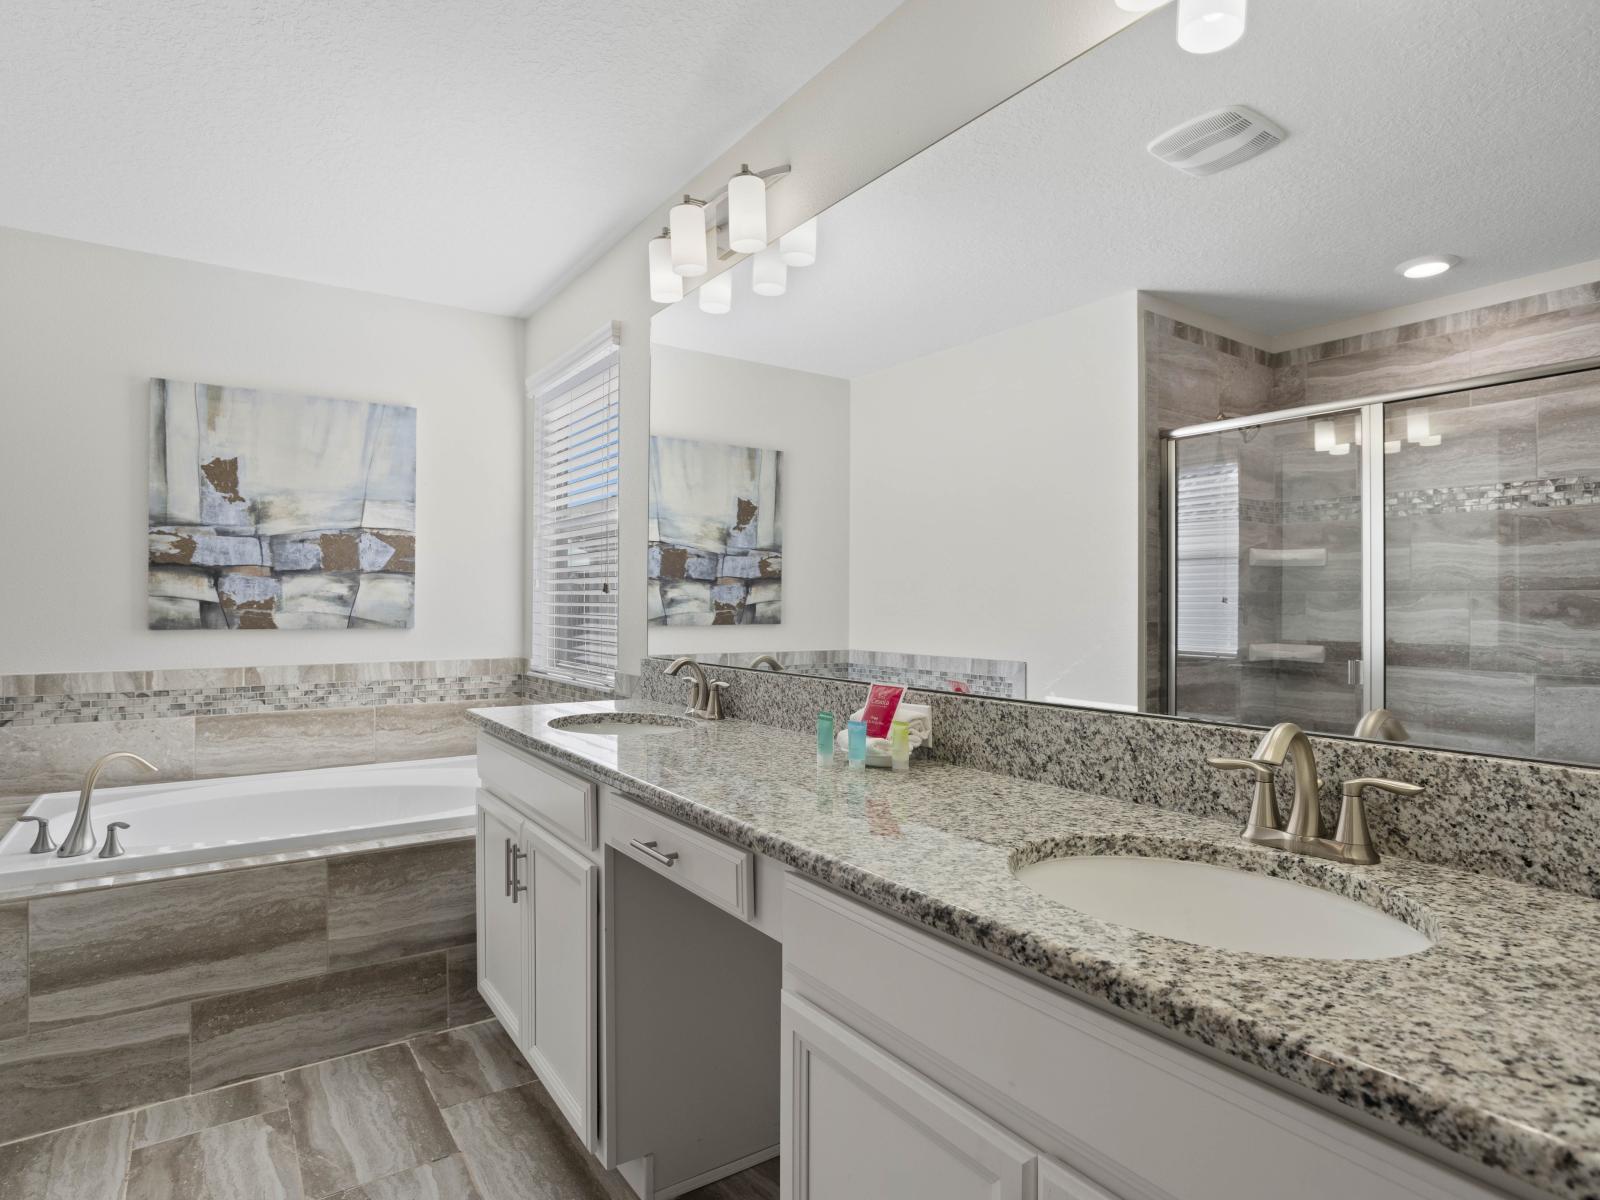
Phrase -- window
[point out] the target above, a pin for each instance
(1208, 559)
(573, 420)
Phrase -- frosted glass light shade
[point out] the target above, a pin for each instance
(1323, 437)
(1206, 26)
(1341, 449)
(1417, 429)
(716, 294)
(799, 246)
(747, 213)
(666, 285)
(769, 274)
(1139, 5)
(687, 221)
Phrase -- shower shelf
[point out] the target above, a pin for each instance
(1289, 558)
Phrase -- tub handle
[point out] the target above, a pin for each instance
(517, 886)
(41, 840)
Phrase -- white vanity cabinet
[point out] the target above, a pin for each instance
(916, 1068)
(539, 922)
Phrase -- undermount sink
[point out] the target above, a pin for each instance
(1222, 907)
(621, 724)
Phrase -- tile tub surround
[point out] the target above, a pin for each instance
(1531, 822)
(195, 723)
(454, 1115)
(1486, 1046)
(113, 997)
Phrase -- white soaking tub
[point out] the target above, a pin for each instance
(221, 820)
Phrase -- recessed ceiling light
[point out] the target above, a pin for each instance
(1427, 265)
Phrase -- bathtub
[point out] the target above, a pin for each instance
(219, 820)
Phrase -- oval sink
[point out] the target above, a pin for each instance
(621, 724)
(1222, 907)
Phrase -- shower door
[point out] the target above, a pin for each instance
(1267, 604)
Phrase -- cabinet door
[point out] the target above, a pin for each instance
(559, 1039)
(1058, 1182)
(503, 921)
(859, 1124)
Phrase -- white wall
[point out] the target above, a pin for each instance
(83, 329)
(995, 503)
(930, 67)
(807, 416)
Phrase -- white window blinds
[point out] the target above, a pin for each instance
(573, 418)
(1208, 559)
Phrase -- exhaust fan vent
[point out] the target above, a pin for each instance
(1216, 141)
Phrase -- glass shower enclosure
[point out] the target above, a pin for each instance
(1433, 553)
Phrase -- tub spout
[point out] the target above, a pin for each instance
(80, 838)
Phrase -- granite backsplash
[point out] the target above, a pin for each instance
(1536, 823)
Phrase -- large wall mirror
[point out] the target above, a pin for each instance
(1051, 418)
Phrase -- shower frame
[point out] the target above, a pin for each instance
(1369, 411)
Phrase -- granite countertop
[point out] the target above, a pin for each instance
(1487, 1044)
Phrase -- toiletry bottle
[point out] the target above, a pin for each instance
(858, 743)
(900, 746)
(825, 739)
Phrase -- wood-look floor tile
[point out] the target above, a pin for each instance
(81, 1162)
(519, 1148)
(57, 1077)
(252, 1159)
(190, 1114)
(759, 1182)
(359, 1118)
(463, 1064)
(245, 1034)
(117, 949)
(396, 903)
(467, 1006)
(442, 1179)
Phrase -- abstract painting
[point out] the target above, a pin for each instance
(716, 534)
(279, 511)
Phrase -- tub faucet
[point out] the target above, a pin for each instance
(80, 838)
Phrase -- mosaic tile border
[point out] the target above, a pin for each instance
(1000, 677)
(29, 700)
(1568, 492)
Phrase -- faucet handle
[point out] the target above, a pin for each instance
(1264, 804)
(113, 847)
(713, 709)
(41, 841)
(1352, 835)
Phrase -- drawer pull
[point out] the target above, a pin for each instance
(665, 858)
(505, 862)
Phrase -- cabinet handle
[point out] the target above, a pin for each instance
(517, 886)
(665, 858)
(505, 862)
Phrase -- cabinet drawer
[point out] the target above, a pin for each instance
(710, 868)
(562, 802)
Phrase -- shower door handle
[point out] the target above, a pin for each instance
(1355, 672)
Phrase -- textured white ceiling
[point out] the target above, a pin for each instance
(466, 152)
(1465, 127)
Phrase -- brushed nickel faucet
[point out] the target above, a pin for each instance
(80, 838)
(1381, 725)
(767, 660)
(706, 702)
(1351, 842)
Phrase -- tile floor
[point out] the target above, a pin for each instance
(454, 1115)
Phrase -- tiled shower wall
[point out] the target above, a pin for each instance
(197, 723)
(1193, 375)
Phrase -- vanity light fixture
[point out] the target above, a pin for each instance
(747, 212)
(1417, 426)
(799, 245)
(1206, 26)
(1323, 436)
(769, 274)
(1427, 266)
(666, 285)
(687, 222)
(716, 294)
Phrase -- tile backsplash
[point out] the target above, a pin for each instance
(195, 723)
(1533, 822)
